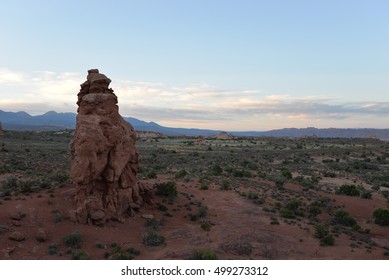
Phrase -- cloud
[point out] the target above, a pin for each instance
(190, 105)
(7, 76)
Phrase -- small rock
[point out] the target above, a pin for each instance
(97, 215)
(16, 223)
(7, 252)
(148, 216)
(73, 216)
(41, 235)
(17, 236)
(16, 216)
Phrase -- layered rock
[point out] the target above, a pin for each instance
(104, 160)
(224, 136)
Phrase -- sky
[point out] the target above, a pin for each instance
(229, 65)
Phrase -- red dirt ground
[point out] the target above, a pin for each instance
(240, 228)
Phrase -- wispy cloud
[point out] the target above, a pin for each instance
(191, 105)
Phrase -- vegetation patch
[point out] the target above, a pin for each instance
(381, 217)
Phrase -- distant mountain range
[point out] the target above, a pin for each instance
(60, 121)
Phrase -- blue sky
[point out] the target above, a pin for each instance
(231, 65)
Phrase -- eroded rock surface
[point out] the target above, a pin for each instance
(104, 158)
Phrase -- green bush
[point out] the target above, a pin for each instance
(216, 170)
(381, 217)
(73, 240)
(206, 226)
(118, 253)
(151, 174)
(349, 190)
(154, 224)
(328, 240)
(152, 238)
(204, 186)
(252, 195)
(287, 213)
(205, 254)
(286, 173)
(167, 189)
(344, 218)
(181, 174)
(53, 249)
(80, 255)
(162, 207)
(322, 232)
(225, 185)
(203, 211)
(314, 210)
(366, 194)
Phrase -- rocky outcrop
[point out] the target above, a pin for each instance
(104, 160)
(223, 136)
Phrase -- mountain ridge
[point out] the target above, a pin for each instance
(52, 120)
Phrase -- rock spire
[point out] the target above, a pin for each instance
(104, 160)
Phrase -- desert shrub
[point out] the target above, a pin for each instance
(181, 174)
(366, 194)
(205, 254)
(206, 225)
(204, 186)
(60, 177)
(252, 195)
(80, 255)
(323, 234)
(73, 240)
(344, 218)
(118, 253)
(239, 173)
(193, 217)
(294, 204)
(100, 245)
(167, 189)
(25, 186)
(225, 185)
(162, 207)
(203, 211)
(349, 190)
(314, 210)
(287, 213)
(321, 230)
(151, 174)
(10, 183)
(53, 249)
(44, 185)
(58, 217)
(291, 209)
(216, 170)
(381, 217)
(152, 239)
(279, 180)
(329, 174)
(286, 173)
(321, 202)
(328, 240)
(154, 224)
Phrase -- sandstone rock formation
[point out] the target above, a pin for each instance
(224, 136)
(104, 160)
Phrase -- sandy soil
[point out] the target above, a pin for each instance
(240, 228)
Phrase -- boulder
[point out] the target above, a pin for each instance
(17, 236)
